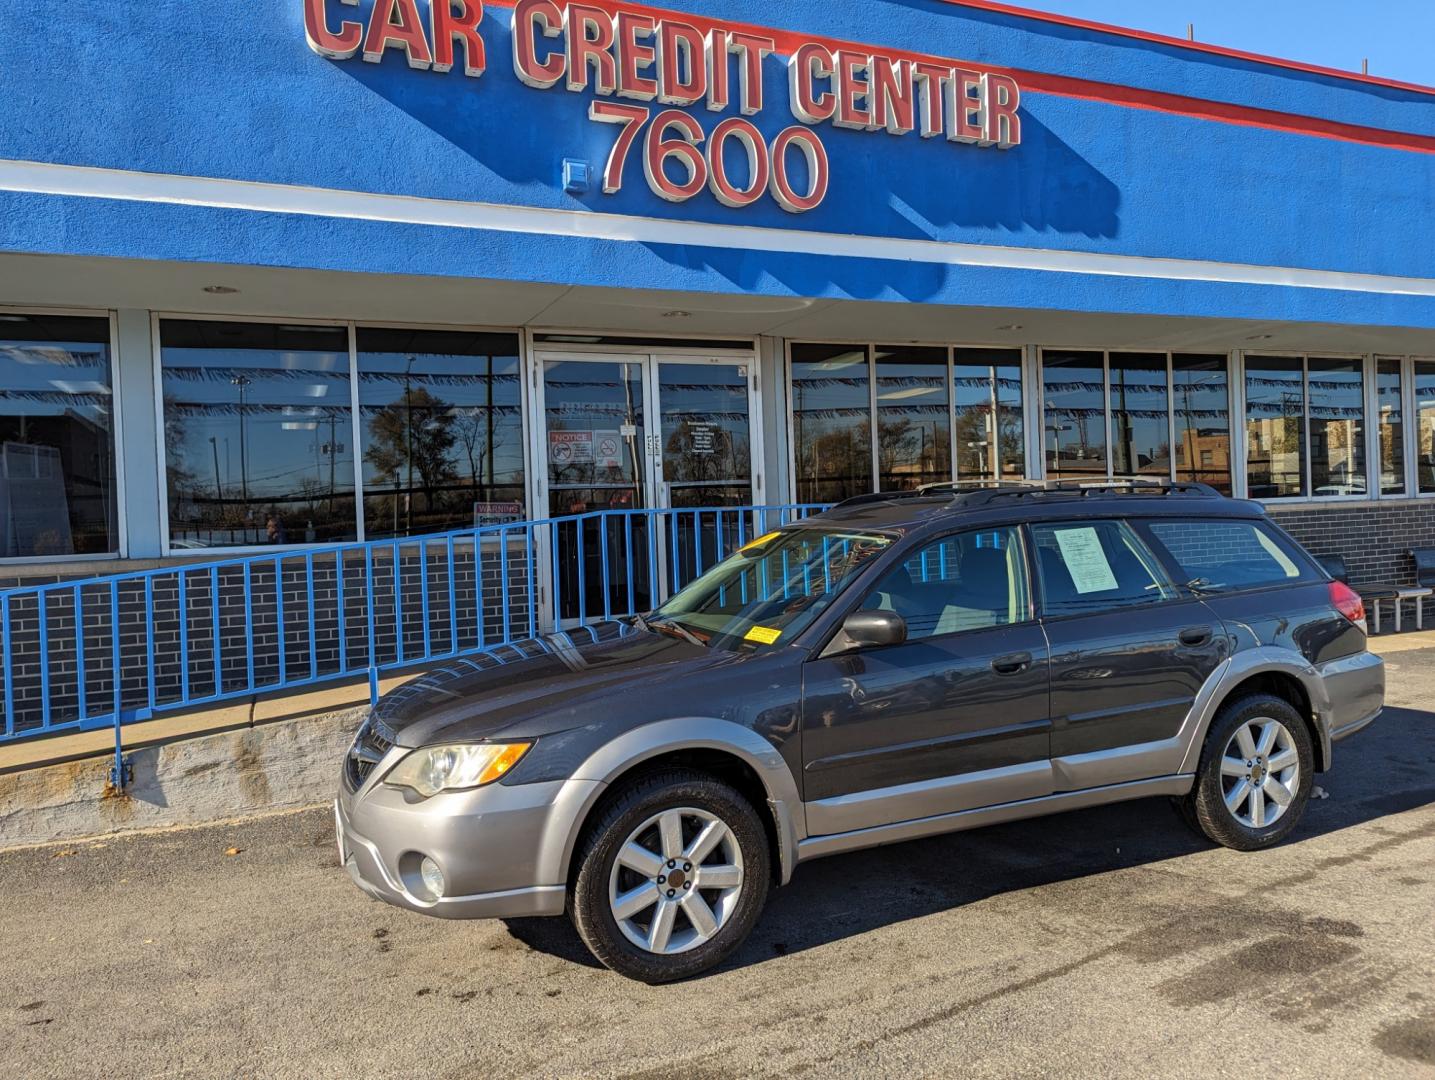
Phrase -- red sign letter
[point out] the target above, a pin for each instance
(632, 56)
(590, 36)
(407, 32)
(1003, 98)
(808, 64)
(892, 96)
(446, 26)
(752, 49)
(929, 79)
(680, 46)
(338, 46)
(853, 73)
(544, 15)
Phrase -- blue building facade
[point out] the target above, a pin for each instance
(299, 271)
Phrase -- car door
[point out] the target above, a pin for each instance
(1129, 652)
(955, 717)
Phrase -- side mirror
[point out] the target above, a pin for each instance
(875, 628)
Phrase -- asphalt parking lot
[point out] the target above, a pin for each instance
(1102, 943)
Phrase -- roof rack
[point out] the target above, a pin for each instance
(974, 493)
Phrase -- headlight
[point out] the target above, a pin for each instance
(453, 768)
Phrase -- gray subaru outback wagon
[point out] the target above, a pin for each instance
(900, 666)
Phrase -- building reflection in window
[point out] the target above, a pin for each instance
(1140, 414)
(1336, 392)
(1200, 399)
(258, 433)
(442, 421)
(989, 430)
(1074, 395)
(1390, 415)
(57, 461)
(913, 418)
(1275, 427)
(832, 422)
(1425, 424)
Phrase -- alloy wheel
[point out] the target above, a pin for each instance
(676, 881)
(1260, 772)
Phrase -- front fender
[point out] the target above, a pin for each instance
(608, 764)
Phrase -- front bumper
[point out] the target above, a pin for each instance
(1355, 690)
(503, 849)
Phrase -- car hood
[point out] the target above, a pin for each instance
(544, 685)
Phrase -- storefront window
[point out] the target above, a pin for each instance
(989, 414)
(258, 433)
(1073, 389)
(1337, 426)
(1275, 427)
(1201, 400)
(1140, 415)
(1425, 424)
(832, 422)
(57, 463)
(442, 421)
(913, 421)
(1390, 408)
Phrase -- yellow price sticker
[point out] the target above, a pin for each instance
(764, 635)
(759, 541)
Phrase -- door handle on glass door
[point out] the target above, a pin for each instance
(1012, 664)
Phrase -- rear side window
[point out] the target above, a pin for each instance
(1089, 566)
(1224, 556)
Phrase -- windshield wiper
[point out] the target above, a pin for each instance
(681, 630)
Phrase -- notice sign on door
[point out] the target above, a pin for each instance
(704, 438)
(607, 450)
(570, 447)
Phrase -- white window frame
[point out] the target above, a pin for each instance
(117, 448)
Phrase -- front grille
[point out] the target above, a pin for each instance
(371, 745)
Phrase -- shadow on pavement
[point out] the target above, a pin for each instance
(1386, 769)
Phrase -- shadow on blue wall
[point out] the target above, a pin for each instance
(902, 187)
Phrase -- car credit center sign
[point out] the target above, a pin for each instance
(658, 64)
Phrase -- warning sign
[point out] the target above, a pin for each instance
(607, 450)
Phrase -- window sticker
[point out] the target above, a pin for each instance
(763, 635)
(1081, 550)
(1288, 568)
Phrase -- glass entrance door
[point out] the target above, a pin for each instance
(637, 432)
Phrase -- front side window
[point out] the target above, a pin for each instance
(968, 581)
(57, 441)
(1091, 566)
(771, 589)
(1222, 556)
(832, 422)
(1074, 394)
(442, 422)
(258, 433)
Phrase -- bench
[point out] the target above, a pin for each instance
(1395, 595)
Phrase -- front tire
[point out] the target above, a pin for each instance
(671, 877)
(1255, 775)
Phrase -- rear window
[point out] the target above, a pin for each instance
(1222, 556)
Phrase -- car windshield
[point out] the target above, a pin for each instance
(770, 589)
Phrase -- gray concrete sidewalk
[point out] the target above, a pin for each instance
(1104, 943)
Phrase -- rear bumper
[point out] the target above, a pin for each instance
(1355, 692)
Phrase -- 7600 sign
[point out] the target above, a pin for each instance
(674, 136)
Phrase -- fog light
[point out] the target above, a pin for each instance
(432, 877)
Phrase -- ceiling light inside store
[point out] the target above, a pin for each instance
(1260, 337)
(1011, 326)
(220, 290)
(677, 314)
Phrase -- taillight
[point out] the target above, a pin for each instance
(1348, 602)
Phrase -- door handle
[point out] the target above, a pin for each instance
(1195, 635)
(1012, 664)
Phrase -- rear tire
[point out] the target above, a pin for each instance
(671, 877)
(1255, 776)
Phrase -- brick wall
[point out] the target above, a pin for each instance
(1374, 538)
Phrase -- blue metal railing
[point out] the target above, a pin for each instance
(86, 654)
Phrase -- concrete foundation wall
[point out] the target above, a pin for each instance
(253, 770)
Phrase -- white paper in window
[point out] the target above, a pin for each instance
(1085, 560)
